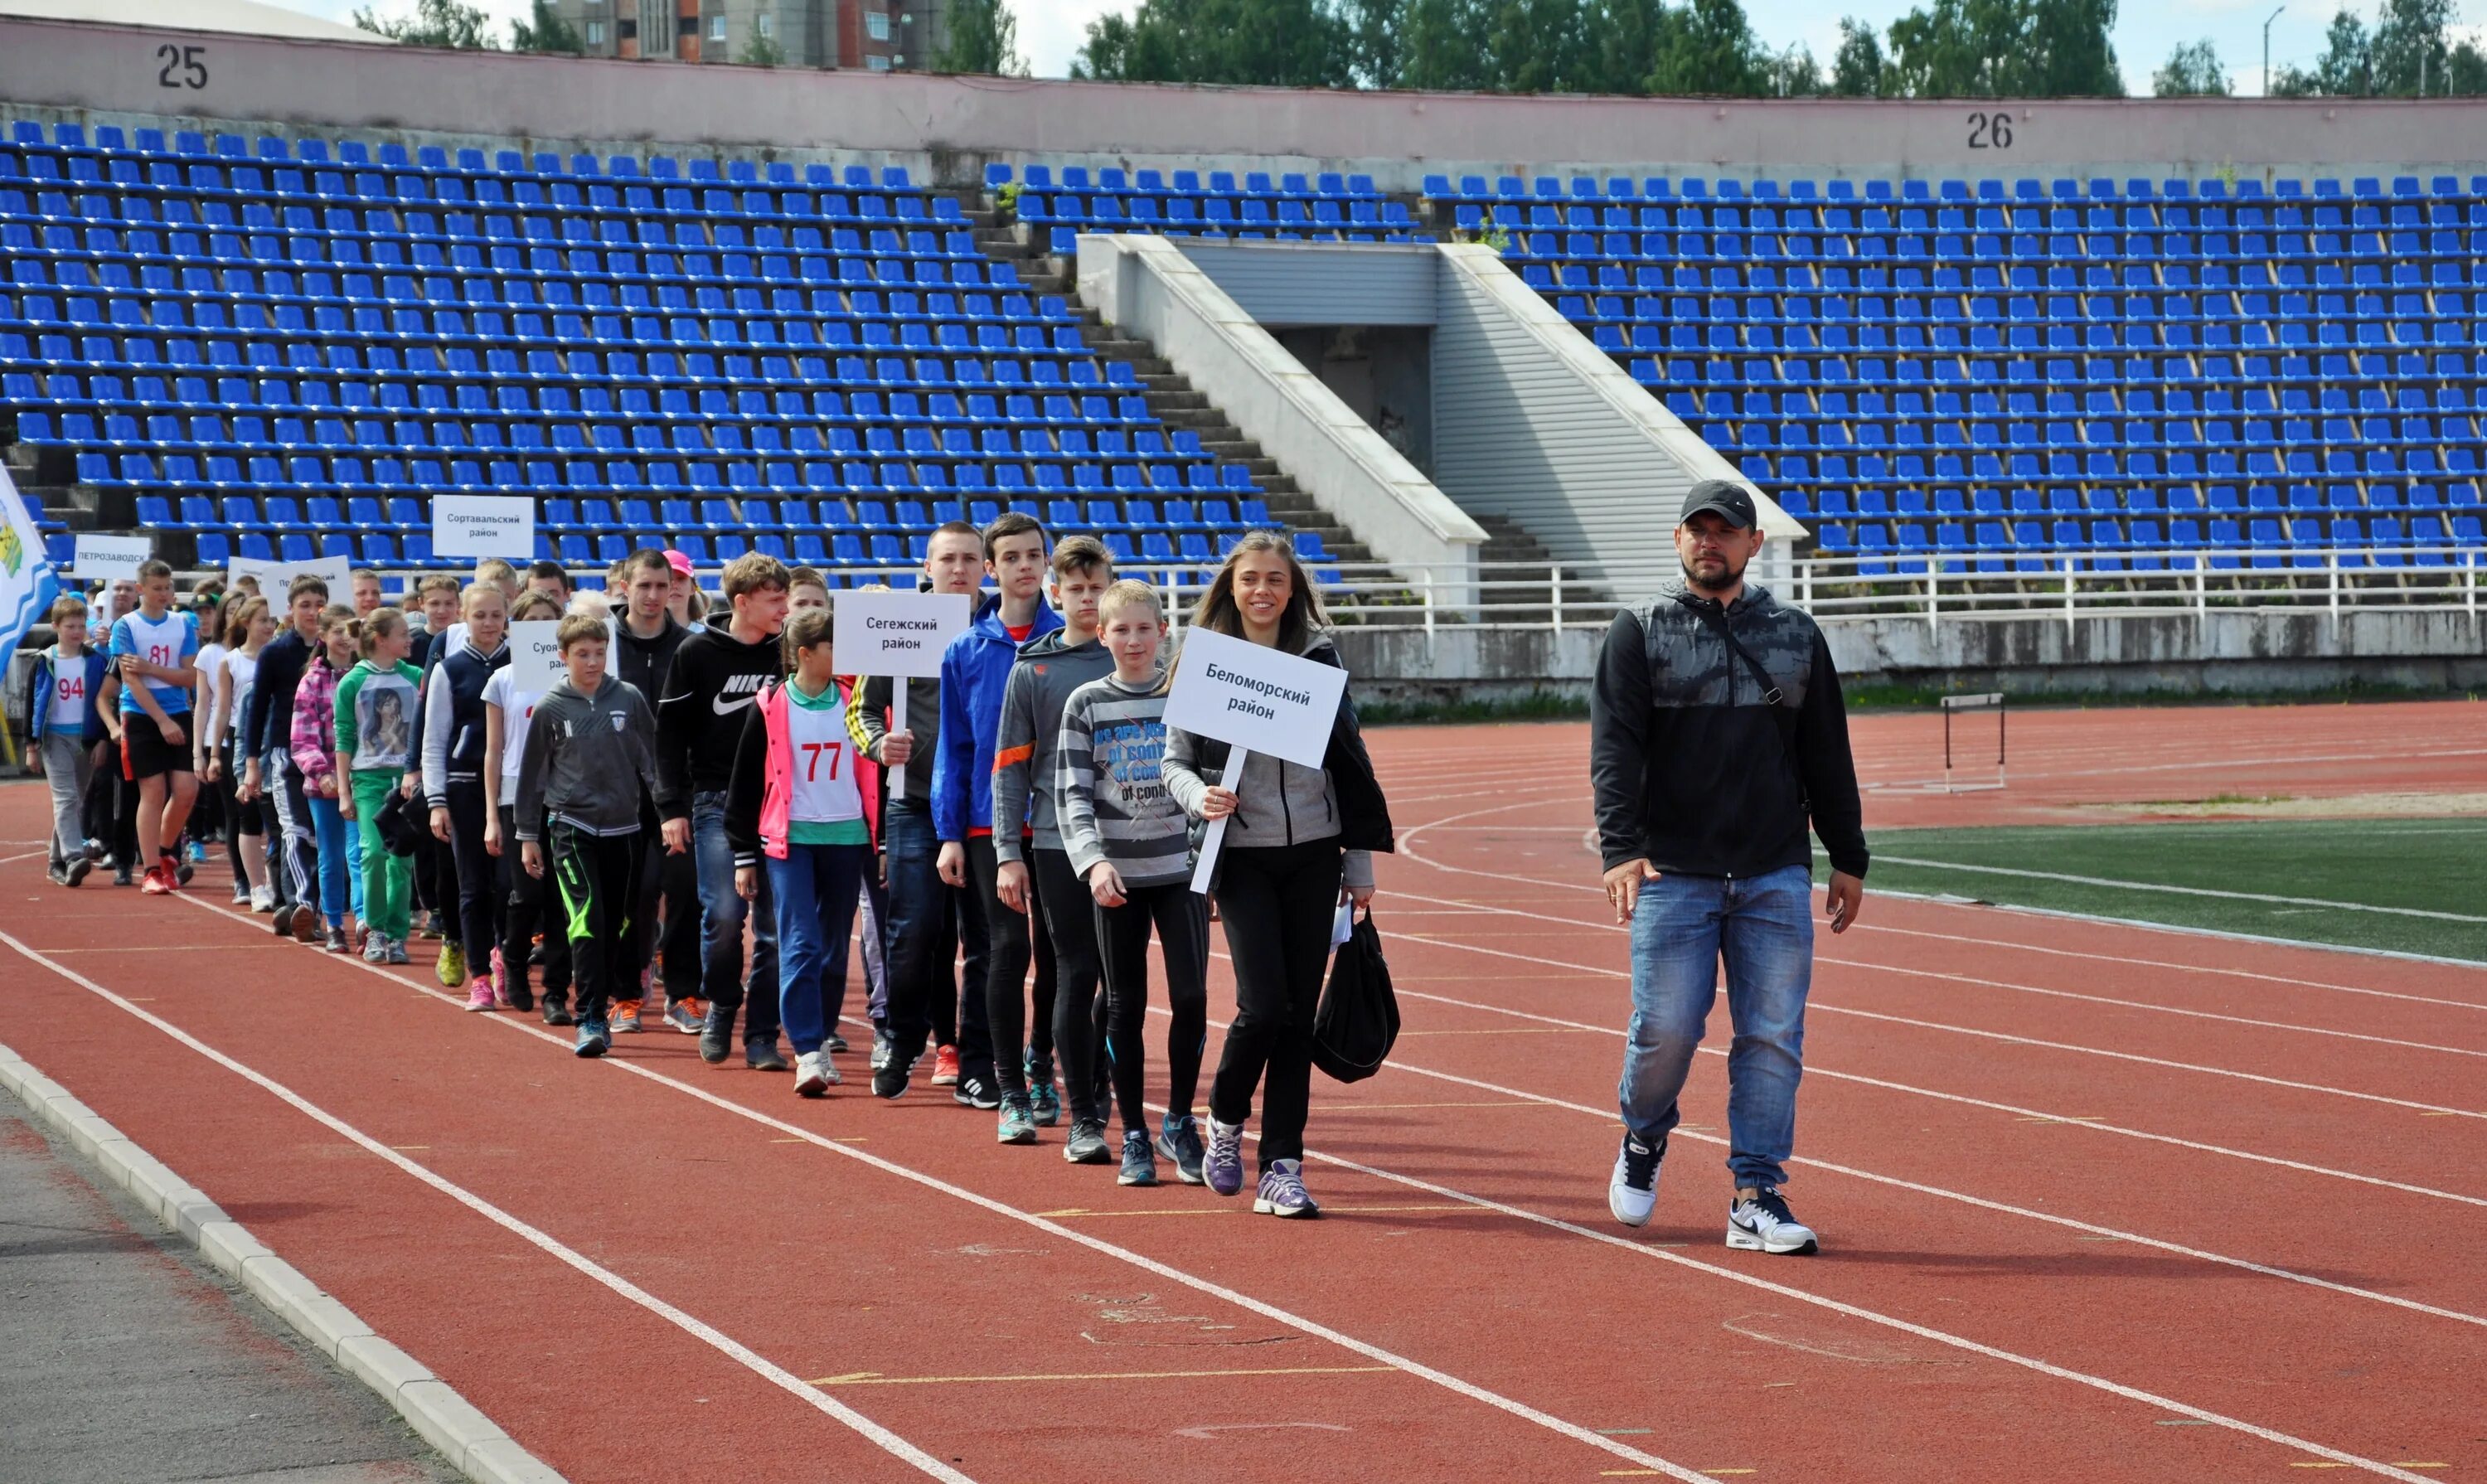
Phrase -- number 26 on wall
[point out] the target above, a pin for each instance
(185, 66)
(1990, 130)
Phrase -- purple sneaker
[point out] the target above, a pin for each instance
(1282, 1191)
(1225, 1156)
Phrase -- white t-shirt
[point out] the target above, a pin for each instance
(209, 667)
(240, 673)
(825, 785)
(68, 711)
(518, 708)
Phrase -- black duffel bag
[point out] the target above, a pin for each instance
(1359, 1018)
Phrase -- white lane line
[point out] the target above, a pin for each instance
(1870, 1316)
(784, 1380)
(2186, 891)
(1609, 1116)
(2014, 1109)
(1996, 1035)
(1270, 1311)
(1407, 851)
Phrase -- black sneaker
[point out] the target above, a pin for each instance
(717, 1035)
(281, 921)
(836, 1042)
(974, 1091)
(889, 1078)
(59, 875)
(1086, 1144)
(121, 876)
(761, 1055)
(1179, 1140)
(182, 870)
(556, 1012)
(78, 870)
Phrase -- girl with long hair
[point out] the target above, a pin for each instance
(1299, 844)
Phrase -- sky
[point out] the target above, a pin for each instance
(1051, 31)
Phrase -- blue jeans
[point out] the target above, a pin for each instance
(338, 860)
(1763, 927)
(722, 913)
(817, 887)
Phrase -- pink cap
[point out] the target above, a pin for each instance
(681, 562)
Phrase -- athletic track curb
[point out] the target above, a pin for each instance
(473, 1443)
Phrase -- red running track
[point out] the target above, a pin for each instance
(2214, 1220)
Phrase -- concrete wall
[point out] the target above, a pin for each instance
(1308, 282)
(2172, 653)
(1533, 422)
(1146, 286)
(950, 127)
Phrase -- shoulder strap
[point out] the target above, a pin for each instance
(1771, 695)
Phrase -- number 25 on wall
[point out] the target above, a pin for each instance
(185, 66)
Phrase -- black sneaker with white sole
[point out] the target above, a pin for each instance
(973, 1091)
(1631, 1191)
(1761, 1223)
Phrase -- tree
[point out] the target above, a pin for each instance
(2193, 70)
(547, 31)
(1794, 73)
(1856, 68)
(2407, 54)
(1274, 43)
(983, 39)
(1709, 48)
(2004, 48)
(434, 23)
(758, 51)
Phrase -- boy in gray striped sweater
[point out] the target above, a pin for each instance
(1132, 843)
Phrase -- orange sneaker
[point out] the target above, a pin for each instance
(624, 1018)
(158, 883)
(945, 1067)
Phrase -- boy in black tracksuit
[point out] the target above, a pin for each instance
(670, 934)
(717, 674)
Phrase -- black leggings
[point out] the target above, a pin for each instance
(1006, 939)
(240, 819)
(1278, 905)
(474, 924)
(1180, 917)
(522, 898)
(1078, 1010)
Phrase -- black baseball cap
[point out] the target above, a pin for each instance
(1723, 496)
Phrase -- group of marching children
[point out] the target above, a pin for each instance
(696, 780)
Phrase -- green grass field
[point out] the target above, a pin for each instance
(2359, 883)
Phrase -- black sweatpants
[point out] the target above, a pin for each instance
(669, 916)
(522, 913)
(238, 816)
(1278, 905)
(1180, 917)
(1007, 945)
(1078, 1010)
(470, 914)
(598, 877)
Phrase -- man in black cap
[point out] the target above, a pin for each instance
(1715, 731)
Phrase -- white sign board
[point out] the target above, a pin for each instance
(897, 633)
(485, 525)
(535, 656)
(111, 557)
(1247, 696)
(275, 576)
(1254, 700)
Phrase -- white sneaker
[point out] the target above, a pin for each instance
(1763, 1224)
(1631, 1192)
(813, 1075)
(262, 899)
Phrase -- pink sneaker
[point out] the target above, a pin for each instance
(500, 982)
(480, 995)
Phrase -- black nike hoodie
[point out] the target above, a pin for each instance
(708, 695)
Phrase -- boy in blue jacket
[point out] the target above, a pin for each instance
(66, 725)
(975, 671)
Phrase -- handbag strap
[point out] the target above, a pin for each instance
(1771, 694)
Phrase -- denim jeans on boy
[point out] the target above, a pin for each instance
(1763, 926)
(722, 913)
(817, 890)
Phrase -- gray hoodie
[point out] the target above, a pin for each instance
(588, 759)
(1277, 802)
(1025, 771)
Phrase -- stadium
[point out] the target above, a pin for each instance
(2127, 454)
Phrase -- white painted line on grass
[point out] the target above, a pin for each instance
(2187, 891)
(1171, 1273)
(785, 1380)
